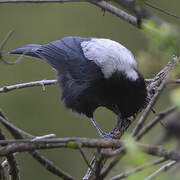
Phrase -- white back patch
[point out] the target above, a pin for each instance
(110, 56)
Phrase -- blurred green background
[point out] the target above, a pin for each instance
(41, 112)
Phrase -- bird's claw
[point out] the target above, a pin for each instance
(111, 135)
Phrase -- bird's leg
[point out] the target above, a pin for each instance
(101, 133)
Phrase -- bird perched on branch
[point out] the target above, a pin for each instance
(93, 72)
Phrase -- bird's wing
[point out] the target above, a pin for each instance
(66, 55)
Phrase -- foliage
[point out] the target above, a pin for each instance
(164, 39)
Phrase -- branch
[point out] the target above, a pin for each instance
(170, 81)
(159, 151)
(151, 124)
(114, 10)
(49, 165)
(13, 168)
(3, 43)
(18, 133)
(163, 168)
(161, 10)
(45, 82)
(159, 80)
(90, 172)
(42, 83)
(163, 73)
(149, 149)
(110, 166)
(148, 110)
(156, 85)
(40, 1)
(137, 169)
(100, 3)
(67, 142)
(85, 158)
(23, 145)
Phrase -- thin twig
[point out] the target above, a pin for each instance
(156, 85)
(18, 133)
(102, 4)
(137, 169)
(162, 74)
(51, 82)
(163, 168)
(85, 158)
(116, 11)
(98, 164)
(161, 10)
(151, 124)
(13, 167)
(49, 165)
(41, 83)
(110, 166)
(40, 1)
(159, 151)
(14, 62)
(148, 110)
(169, 81)
(90, 173)
(3, 43)
(44, 137)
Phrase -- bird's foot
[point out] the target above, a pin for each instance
(106, 135)
(111, 134)
(114, 134)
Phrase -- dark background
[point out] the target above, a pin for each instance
(41, 112)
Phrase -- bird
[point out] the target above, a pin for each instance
(93, 72)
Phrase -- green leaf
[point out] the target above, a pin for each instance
(164, 39)
(136, 156)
